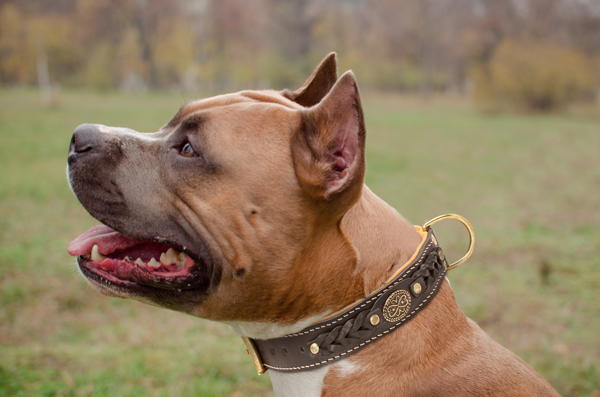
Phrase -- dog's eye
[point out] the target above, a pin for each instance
(188, 151)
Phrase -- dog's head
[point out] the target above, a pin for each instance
(230, 211)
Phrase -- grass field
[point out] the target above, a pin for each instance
(529, 184)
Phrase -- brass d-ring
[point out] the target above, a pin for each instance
(467, 224)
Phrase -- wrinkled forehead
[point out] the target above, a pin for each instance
(249, 97)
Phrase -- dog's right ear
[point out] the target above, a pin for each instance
(317, 85)
(328, 148)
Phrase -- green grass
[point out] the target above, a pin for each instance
(529, 184)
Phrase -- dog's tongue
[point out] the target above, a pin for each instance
(107, 239)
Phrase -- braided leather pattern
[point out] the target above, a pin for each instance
(353, 329)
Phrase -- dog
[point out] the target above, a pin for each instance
(251, 209)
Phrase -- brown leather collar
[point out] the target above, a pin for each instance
(365, 322)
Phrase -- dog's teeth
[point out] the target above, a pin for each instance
(96, 255)
(181, 259)
(140, 262)
(172, 255)
(153, 263)
(163, 259)
(128, 259)
(169, 257)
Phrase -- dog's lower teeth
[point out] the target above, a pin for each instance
(140, 262)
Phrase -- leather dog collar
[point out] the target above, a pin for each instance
(364, 322)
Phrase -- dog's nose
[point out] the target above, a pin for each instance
(85, 139)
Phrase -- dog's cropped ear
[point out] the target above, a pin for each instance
(329, 147)
(317, 85)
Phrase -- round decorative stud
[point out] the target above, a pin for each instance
(441, 254)
(417, 288)
(314, 348)
(374, 319)
(396, 306)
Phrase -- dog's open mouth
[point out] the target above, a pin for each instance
(108, 257)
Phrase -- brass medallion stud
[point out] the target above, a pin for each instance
(417, 288)
(441, 254)
(374, 319)
(396, 306)
(314, 348)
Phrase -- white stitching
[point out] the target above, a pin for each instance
(440, 277)
(367, 302)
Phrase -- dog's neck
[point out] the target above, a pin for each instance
(387, 243)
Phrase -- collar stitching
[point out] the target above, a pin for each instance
(440, 277)
(363, 304)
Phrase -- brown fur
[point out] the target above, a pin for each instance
(276, 204)
(317, 85)
(438, 353)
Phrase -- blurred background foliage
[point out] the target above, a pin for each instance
(517, 54)
(508, 136)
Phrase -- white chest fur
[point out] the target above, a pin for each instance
(298, 384)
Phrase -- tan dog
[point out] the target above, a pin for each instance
(250, 209)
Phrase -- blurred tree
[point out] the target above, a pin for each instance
(131, 70)
(53, 35)
(294, 24)
(534, 76)
(152, 19)
(411, 45)
(17, 55)
(235, 36)
(174, 53)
